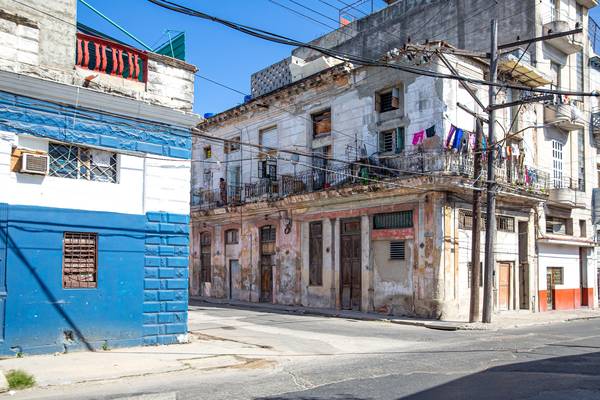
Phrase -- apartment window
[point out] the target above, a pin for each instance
(315, 268)
(388, 100)
(392, 140)
(398, 250)
(207, 152)
(267, 169)
(557, 163)
(582, 228)
(80, 254)
(268, 137)
(232, 145)
(505, 224)
(321, 123)
(470, 274)
(268, 234)
(557, 275)
(232, 236)
(77, 162)
(205, 257)
(465, 220)
(394, 220)
(555, 225)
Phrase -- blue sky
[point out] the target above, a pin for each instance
(224, 55)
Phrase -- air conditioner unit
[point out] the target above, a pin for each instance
(32, 163)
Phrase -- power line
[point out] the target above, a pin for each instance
(360, 60)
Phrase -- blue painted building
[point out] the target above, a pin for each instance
(95, 149)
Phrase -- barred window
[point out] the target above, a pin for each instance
(395, 220)
(470, 272)
(315, 262)
(80, 268)
(505, 224)
(75, 162)
(205, 258)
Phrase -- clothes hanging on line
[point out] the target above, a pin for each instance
(430, 132)
(418, 137)
(450, 137)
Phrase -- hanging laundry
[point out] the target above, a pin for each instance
(472, 140)
(430, 132)
(457, 139)
(515, 150)
(450, 138)
(418, 137)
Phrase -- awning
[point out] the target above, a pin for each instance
(523, 72)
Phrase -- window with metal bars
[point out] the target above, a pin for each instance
(398, 250)
(394, 220)
(75, 162)
(388, 100)
(505, 224)
(470, 272)
(80, 253)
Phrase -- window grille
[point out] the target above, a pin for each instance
(505, 224)
(470, 272)
(76, 162)
(395, 220)
(398, 250)
(205, 258)
(386, 141)
(557, 275)
(80, 267)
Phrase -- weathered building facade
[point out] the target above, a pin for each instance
(95, 150)
(342, 186)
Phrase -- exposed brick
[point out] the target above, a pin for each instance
(176, 328)
(167, 273)
(177, 283)
(150, 273)
(151, 283)
(177, 261)
(176, 306)
(153, 307)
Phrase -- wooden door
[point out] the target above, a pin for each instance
(234, 279)
(549, 290)
(350, 264)
(504, 286)
(267, 260)
(524, 286)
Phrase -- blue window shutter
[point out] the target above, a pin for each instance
(399, 140)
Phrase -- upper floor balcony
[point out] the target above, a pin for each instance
(446, 163)
(567, 191)
(558, 21)
(565, 114)
(595, 125)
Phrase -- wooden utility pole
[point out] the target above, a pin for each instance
(476, 226)
(490, 223)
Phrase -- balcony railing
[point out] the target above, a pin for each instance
(445, 163)
(594, 34)
(98, 54)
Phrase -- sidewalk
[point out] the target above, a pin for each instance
(501, 320)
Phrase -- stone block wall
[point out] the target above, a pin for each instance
(166, 278)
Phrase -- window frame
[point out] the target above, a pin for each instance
(379, 105)
(232, 240)
(232, 145)
(207, 152)
(321, 116)
(205, 268)
(70, 286)
(402, 216)
(80, 161)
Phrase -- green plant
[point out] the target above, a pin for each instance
(18, 379)
(20, 354)
(105, 346)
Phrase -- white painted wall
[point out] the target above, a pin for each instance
(567, 257)
(145, 184)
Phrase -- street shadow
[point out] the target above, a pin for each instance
(567, 377)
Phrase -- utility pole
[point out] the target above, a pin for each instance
(490, 223)
(476, 226)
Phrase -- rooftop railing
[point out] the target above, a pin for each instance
(98, 54)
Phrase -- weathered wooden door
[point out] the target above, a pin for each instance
(504, 286)
(234, 279)
(350, 264)
(267, 260)
(549, 290)
(524, 286)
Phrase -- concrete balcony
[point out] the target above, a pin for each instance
(564, 115)
(567, 191)
(588, 3)
(567, 44)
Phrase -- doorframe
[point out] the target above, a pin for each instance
(341, 281)
(511, 289)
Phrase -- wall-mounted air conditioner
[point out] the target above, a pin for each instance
(33, 163)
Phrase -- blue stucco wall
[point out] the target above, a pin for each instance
(22, 114)
(141, 295)
(166, 277)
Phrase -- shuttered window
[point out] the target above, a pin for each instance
(398, 250)
(315, 269)
(80, 268)
(395, 220)
(205, 258)
(231, 236)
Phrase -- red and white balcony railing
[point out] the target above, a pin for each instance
(98, 54)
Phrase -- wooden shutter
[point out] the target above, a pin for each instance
(399, 140)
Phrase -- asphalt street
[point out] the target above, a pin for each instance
(316, 357)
